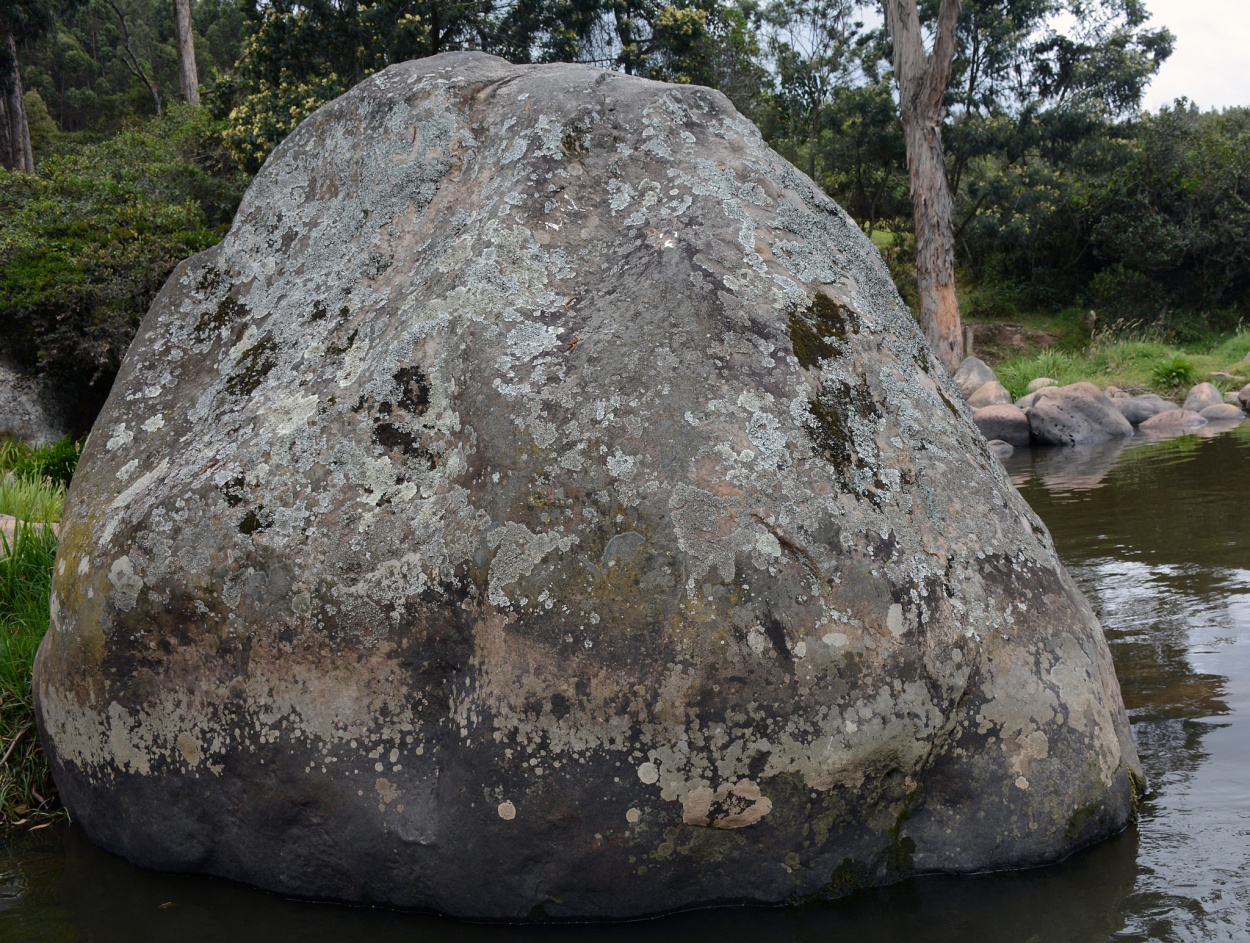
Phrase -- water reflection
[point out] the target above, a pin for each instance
(1157, 534)
(94, 897)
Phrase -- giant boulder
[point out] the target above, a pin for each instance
(542, 505)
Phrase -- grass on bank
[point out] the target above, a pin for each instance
(1138, 363)
(32, 489)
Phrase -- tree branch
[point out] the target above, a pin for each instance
(132, 61)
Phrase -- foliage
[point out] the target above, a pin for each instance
(1177, 371)
(1135, 359)
(86, 244)
(56, 462)
(1060, 366)
(1172, 222)
(80, 72)
(26, 789)
(299, 57)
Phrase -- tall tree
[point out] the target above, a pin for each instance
(15, 152)
(19, 20)
(922, 79)
(188, 78)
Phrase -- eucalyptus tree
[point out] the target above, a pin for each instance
(922, 77)
(24, 21)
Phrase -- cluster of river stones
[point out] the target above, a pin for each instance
(1084, 414)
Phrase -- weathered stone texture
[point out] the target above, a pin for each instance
(541, 504)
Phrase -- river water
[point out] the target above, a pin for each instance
(1156, 533)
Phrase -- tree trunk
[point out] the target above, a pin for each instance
(922, 80)
(15, 153)
(188, 77)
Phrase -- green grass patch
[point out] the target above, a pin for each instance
(26, 790)
(1141, 363)
(32, 490)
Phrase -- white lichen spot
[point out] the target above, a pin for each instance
(126, 583)
(506, 810)
(387, 791)
(767, 544)
(621, 465)
(153, 423)
(757, 641)
(84, 564)
(519, 550)
(632, 816)
(894, 620)
(127, 470)
(120, 436)
(649, 773)
(1022, 783)
(835, 639)
(189, 748)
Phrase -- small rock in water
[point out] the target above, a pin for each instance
(1223, 412)
(1172, 420)
(1243, 397)
(1004, 422)
(1079, 414)
(1138, 409)
(1001, 449)
(1202, 396)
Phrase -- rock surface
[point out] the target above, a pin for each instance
(1172, 420)
(992, 393)
(542, 505)
(28, 409)
(971, 375)
(1079, 414)
(1243, 397)
(1222, 412)
(1140, 408)
(1005, 422)
(1040, 383)
(1202, 396)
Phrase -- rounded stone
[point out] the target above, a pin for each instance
(1079, 414)
(1223, 412)
(1005, 422)
(1173, 419)
(1202, 396)
(540, 446)
(1140, 408)
(991, 393)
(1040, 384)
(971, 375)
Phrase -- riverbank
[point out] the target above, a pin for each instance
(1133, 361)
(32, 495)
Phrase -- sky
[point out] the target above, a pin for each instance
(1210, 63)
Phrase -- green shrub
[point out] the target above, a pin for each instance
(32, 489)
(55, 463)
(87, 242)
(26, 788)
(1177, 371)
(1016, 375)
